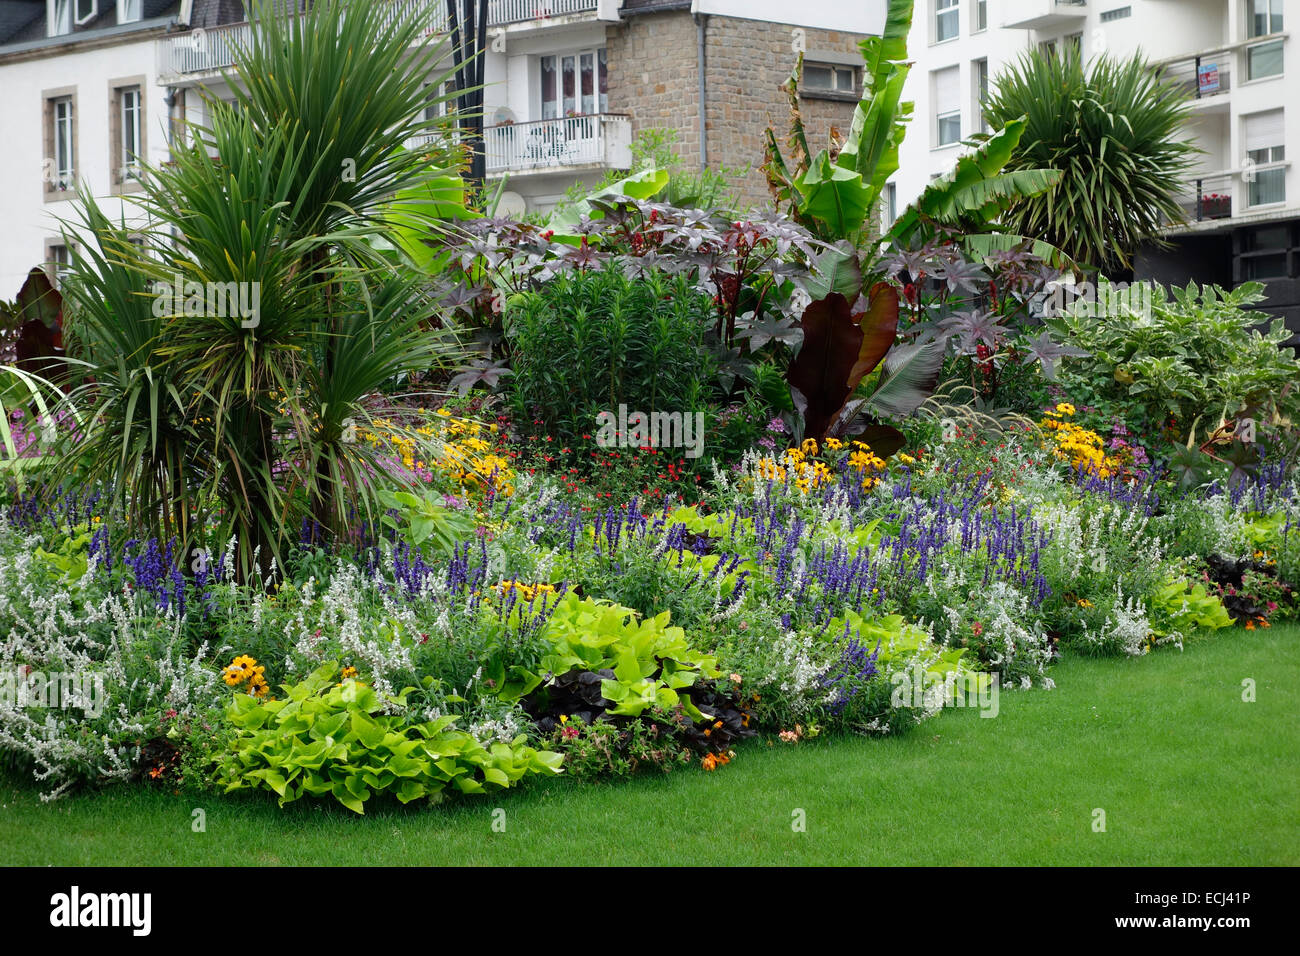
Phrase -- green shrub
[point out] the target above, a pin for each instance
(587, 342)
(1198, 354)
(341, 739)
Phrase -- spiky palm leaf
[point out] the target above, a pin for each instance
(1112, 129)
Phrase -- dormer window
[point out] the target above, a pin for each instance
(63, 15)
(129, 11)
(60, 17)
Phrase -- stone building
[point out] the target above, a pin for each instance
(90, 83)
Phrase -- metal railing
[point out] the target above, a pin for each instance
(1208, 197)
(571, 141)
(211, 49)
(502, 12)
(1201, 76)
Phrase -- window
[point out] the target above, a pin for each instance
(828, 78)
(574, 84)
(1265, 18)
(945, 85)
(1267, 252)
(86, 11)
(1264, 135)
(60, 17)
(439, 100)
(57, 261)
(979, 81)
(176, 120)
(1074, 44)
(60, 144)
(946, 25)
(1117, 14)
(1264, 59)
(129, 11)
(981, 15)
(127, 128)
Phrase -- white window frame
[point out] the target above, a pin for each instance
(941, 119)
(1268, 156)
(947, 12)
(59, 15)
(1280, 44)
(91, 11)
(600, 99)
(1276, 20)
(130, 11)
(980, 16)
(65, 143)
(979, 87)
(839, 72)
(130, 114)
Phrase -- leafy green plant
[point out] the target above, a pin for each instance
(589, 341)
(1112, 129)
(424, 522)
(1180, 605)
(650, 660)
(203, 411)
(1198, 354)
(850, 326)
(341, 739)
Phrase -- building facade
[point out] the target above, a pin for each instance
(568, 84)
(1240, 68)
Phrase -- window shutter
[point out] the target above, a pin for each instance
(1264, 130)
(946, 91)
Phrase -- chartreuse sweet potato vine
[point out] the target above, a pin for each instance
(331, 738)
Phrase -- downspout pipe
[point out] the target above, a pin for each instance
(700, 21)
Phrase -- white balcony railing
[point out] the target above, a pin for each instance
(597, 139)
(502, 12)
(211, 49)
(1041, 14)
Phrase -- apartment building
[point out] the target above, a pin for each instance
(569, 83)
(79, 104)
(1240, 67)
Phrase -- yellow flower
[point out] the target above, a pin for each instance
(809, 446)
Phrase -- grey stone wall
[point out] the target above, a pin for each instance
(654, 79)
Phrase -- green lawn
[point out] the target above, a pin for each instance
(1186, 772)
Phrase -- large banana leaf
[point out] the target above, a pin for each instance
(909, 377)
(976, 191)
(984, 244)
(640, 185)
(834, 195)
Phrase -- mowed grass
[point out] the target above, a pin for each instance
(1186, 772)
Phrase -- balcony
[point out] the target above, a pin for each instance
(1208, 198)
(1042, 14)
(203, 53)
(505, 12)
(1206, 78)
(595, 141)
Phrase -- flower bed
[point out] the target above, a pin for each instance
(819, 590)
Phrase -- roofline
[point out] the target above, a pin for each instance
(85, 40)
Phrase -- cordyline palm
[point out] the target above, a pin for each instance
(308, 163)
(1112, 129)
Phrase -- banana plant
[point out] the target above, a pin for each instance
(849, 327)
